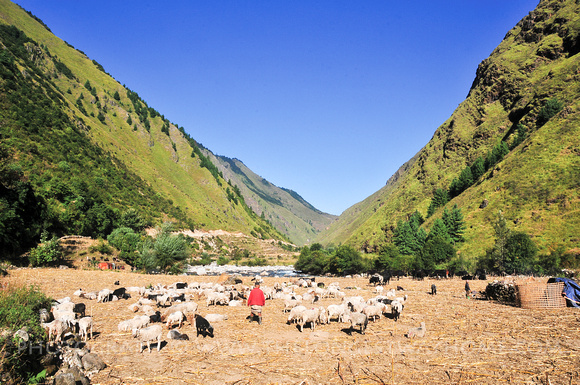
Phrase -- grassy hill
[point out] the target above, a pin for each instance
(80, 148)
(283, 208)
(536, 185)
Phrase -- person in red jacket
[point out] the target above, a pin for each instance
(256, 300)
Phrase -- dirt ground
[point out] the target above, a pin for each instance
(467, 340)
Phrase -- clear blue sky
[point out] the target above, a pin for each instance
(327, 98)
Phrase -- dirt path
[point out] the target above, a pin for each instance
(468, 341)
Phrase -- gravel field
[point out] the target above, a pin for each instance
(467, 341)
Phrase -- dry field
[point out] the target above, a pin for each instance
(467, 341)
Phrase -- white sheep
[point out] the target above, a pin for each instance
(86, 324)
(137, 322)
(290, 303)
(56, 328)
(104, 295)
(175, 318)
(417, 332)
(373, 311)
(357, 319)
(149, 334)
(216, 317)
(187, 308)
(294, 313)
(336, 311)
(308, 316)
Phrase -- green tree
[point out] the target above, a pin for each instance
(166, 251)
(439, 230)
(48, 253)
(126, 240)
(478, 168)
(520, 253)
(436, 251)
(550, 108)
(388, 255)
(454, 223)
(440, 199)
(116, 96)
(347, 261)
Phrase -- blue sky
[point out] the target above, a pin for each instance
(327, 98)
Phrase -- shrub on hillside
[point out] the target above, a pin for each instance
(47, 253)
(19, 309)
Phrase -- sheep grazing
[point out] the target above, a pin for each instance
(175, 335)
(104, 295)
(56, 328)
(308, 316)
(290, 303)
(373, 311)
(175, 318)
(86, 324)
(337, 311)
(203, 327)
(358, 319)
(215, 317)
(149, 334)
(294, 313)
(137, 322)
(417, 332)
(396, 309)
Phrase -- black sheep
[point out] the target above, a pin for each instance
(203, 326)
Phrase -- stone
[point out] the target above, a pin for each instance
(92, 362)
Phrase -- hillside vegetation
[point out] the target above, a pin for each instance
(78, 150)
(535, 184)
(283, 208)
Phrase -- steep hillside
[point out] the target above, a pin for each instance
(284, 209)
(536, 184)
(86, 149)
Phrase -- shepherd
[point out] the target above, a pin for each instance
(467, 289)
(256, 300)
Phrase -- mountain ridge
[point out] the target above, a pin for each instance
(537, 61)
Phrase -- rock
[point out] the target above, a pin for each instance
(484, 204)
(71, 376)
(22, 334)
(92, 362)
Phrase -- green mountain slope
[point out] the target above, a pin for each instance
(536, 185)
(284, 209)
(86, 149)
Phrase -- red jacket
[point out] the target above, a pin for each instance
(256, 297)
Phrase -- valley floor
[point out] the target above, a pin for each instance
(467, 340)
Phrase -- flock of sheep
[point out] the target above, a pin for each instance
(163, 307)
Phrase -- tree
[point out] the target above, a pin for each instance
(435, 251)
(126, 240)
(116, 96)
(513, 252)
(166, 252)
(48, 253)
(440, 199)
(478, 168)
(388, 255)
(520, 252)
(348, 260)
(439, 230)
(550, 108)
(454, 223)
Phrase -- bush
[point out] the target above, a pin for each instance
(550, 108)
(48, 253)
(19, 308)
